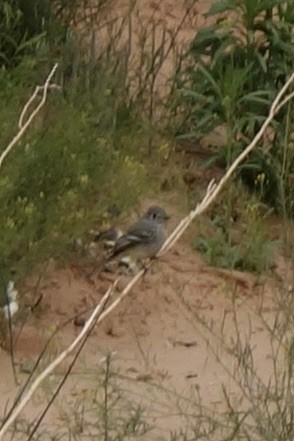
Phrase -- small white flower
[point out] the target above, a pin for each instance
(11, 292)
(11, 308)
(10, 286)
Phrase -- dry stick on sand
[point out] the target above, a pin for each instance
(211, 193)
(23, 127)
(58, 360)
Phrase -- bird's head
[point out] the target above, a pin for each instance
(156, 213)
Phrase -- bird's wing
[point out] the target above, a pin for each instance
(139, 234)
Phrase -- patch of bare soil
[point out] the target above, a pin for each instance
(168, 341)
(150, 33)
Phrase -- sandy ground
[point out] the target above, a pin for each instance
(171, 343)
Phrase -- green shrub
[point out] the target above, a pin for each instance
(84, 151)
(22, 24)
(78, 158)
(237, 65)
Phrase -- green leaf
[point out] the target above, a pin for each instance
(210, 79)
(193, 94)
(206, 38)
(219, 7)
(31, 42)
(262, 62)
(260, 97)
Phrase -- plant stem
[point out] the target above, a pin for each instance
(106, 391)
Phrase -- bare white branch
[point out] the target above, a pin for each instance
(38, 89)
(96, 313)
(23, 127)
(57, 361)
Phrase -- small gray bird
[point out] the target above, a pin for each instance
(145, 238)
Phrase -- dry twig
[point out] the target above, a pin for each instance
(23, 127)
(34, 386)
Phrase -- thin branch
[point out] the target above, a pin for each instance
(58, 360)
(12, 358)
(32, 98)
(23, 127)
(86, 329)
(119, 299)
(285, 100)
(65, 376)
(40, 357)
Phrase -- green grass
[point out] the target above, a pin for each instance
(237, 236)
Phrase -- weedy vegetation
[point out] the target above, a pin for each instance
(69, 168)
(95, 144)
(231, 74)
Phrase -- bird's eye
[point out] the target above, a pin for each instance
(153, 215)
